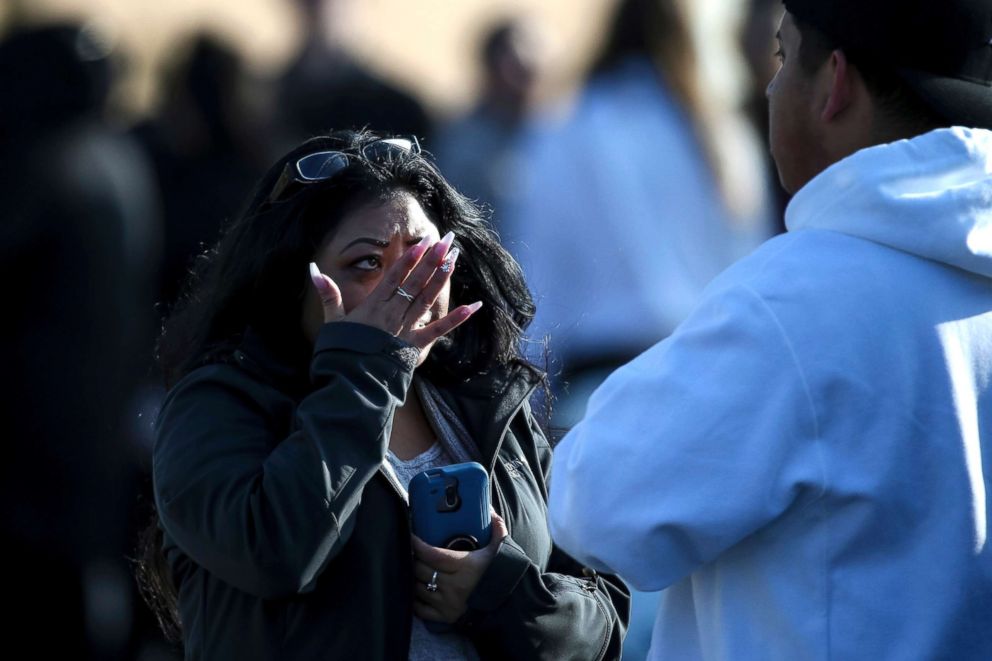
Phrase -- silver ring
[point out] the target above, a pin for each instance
(432, 586)
(405, 294)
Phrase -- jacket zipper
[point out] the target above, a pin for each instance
(498, 503)
(400, 492)
(396, 486)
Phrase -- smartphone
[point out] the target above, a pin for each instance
(450, 506)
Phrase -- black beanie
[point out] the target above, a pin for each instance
(941, 48)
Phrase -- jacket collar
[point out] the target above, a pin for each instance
(488, 402)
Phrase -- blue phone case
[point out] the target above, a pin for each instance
(450, 506)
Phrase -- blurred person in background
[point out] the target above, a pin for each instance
(78, 253)
(208, 148)
(326, 86)
(481, 149)
(654, 183)
(302, 405)
(656, 154)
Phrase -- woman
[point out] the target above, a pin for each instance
(657, 154)
(301, 406)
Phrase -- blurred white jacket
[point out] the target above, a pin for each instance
(804, 465)
(620, 224)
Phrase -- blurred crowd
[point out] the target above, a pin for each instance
(621, 201)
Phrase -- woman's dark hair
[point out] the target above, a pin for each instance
(257, 274)
(904, 111)
(654, 29)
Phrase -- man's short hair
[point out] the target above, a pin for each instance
(901, 107)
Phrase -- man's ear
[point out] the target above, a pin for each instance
(841, 89)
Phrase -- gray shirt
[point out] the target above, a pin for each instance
(426, 645)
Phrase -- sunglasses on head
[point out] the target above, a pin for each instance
(323, 165)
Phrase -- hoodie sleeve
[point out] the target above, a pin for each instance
(261, 511)
(694, 445)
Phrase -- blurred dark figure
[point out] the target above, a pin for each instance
(327, 88)
(481, 149)
(78, 219)
(207, 151)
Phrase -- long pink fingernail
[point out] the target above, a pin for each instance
(418, 249)
(442, 246)
(472, 309)
(449, 261)
(318, 281)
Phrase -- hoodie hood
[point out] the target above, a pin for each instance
(930, 196)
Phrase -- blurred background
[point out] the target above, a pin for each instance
(618, 144)
(427, 45)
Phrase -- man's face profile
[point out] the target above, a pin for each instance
(791, 108)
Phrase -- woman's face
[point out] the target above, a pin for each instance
(366, 243)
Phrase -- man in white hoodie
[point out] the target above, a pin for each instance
(804, 466)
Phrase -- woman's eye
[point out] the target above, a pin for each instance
(369, 263)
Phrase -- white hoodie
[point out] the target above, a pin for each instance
(804, 465)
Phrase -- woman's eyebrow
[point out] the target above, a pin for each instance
(379, 243)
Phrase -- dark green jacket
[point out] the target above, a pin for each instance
(287, 540)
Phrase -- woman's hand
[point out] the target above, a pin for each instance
(404, 296)
(458, 572)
